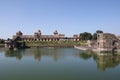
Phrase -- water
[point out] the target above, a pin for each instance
(57, 64)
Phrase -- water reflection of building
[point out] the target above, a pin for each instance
(103, 60)
(38, 36)
(107, 61)
(11, 53)
(37, 53)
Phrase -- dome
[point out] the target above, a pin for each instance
(55, 32)
(39, 32)
(19, 33)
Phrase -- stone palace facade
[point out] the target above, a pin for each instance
(37, 36)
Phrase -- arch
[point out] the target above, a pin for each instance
(114, 50)
(115, 43)
(98, 44)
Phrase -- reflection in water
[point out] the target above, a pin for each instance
(107, 61)
(104, 61)
(50, 52)
(85, 54)
(12, 53)
(38, 53)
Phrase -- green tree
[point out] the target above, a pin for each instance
(86, 36)
(2, 41)
(99, 31)
(94, 37)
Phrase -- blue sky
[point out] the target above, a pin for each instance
(67, 16)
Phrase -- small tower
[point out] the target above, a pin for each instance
(19, 33)
(55, 33)
(100, 40)
(37, 34)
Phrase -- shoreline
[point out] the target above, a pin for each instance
(55, 46)
(84, 48)
(99, 51)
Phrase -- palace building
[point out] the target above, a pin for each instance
(37, 36)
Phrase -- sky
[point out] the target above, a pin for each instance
(66, 16)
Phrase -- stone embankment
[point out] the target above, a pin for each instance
(84, 48)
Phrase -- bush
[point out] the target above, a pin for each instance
(2, 41)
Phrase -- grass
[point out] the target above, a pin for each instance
(55, 43)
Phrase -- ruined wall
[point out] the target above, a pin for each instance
(107, 41)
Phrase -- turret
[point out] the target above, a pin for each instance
(19, 33)
(37, 34)
(55, 33)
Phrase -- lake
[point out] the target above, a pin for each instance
(50, 63)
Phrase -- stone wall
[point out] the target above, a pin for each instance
(107, 41)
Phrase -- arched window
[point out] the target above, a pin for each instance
(98, 44)
(114, 43)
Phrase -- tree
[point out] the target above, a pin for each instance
(99, 31)
(94, 37)
(2, 41)
(86, 36)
